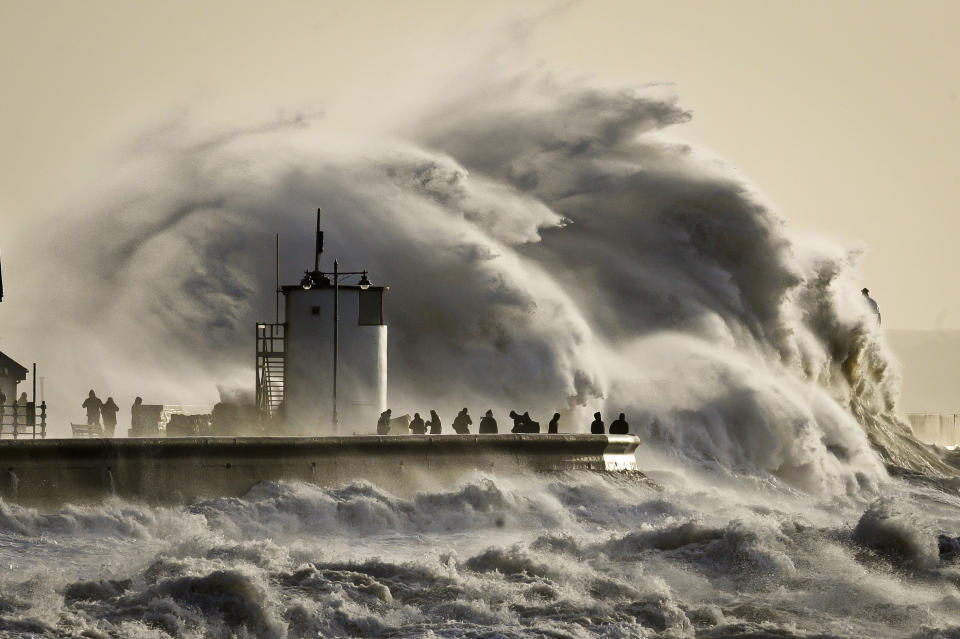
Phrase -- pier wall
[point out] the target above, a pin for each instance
(181, 470)
(942, 429)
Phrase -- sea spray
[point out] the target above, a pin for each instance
(548, 248)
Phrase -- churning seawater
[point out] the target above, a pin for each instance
(682, 554)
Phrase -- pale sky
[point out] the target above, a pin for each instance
(844, 114)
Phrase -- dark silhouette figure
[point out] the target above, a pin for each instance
(517, 422)
(488, 425)
(417, 427)
(873, 303)
(554, 425)
(109, 412)
(135, 414)
(383, 424)
(619, 426)
(597, 426)
(434, 423)
(461, 423)
(530, 426)
(3, 408)
(93, 405)
(22, 413)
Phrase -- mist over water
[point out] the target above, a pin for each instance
(548, 248)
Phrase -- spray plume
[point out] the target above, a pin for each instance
(547, 248)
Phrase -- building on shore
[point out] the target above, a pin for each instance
(11, 374)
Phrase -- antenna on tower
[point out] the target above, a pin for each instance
(319, 250)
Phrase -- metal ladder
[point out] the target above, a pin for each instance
(271, 360)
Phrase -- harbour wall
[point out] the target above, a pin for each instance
(942, 429)
(181, 470)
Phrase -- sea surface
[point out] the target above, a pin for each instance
(682, 552)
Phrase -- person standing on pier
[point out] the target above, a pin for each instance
(462, 422)
(434, 423)
(488, 425)
(554, 426)
(619, 426)
(93, 405)
(597, 426)
(417, 427)
(530, 426)
(109, 412)
(135, 415)
(22, 413)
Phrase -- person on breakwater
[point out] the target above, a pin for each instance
(619, 426)
(22, 413)
(488, 425)
(135, 414)
(530, 426)
(383, 424)
(93, 405)
(462, 422)
(597, 426)
(417, 427)
(109, 412)
(554, 425)
(523, 423)
(434, 423)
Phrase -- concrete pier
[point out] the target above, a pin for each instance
(181, 470)
(942, 429)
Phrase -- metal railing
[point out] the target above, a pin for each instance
(26, 421)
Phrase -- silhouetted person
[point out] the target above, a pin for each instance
(530, 426)
(135, 415)
(488, 425)
(93, 405)
(872, 302)
(597, 426)
(517, 422)
(434, 423)
(22, 412)
(383, 424)
(3, 408)
(619, 426)
(461, 423)
(417, 427)
(554, 425)
(109, 412)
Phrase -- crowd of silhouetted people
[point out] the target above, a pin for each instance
(98, 409)
(522, 423)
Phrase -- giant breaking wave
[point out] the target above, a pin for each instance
(547, 247)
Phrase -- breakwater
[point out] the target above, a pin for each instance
(181, 470)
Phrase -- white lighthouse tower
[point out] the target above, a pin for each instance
(323, 371)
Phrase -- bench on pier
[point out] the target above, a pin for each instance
(85, 430)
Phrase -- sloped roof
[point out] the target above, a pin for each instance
(9, 367)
